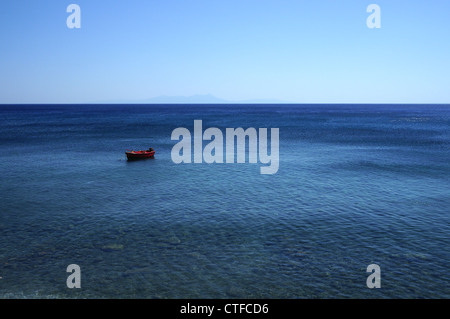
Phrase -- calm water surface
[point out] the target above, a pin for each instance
(357, 185)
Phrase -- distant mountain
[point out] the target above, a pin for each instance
(194, 99)
(261, 101)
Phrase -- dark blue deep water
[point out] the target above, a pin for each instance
(357, 185)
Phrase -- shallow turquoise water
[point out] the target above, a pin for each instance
(356, 185)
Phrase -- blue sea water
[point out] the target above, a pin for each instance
(357, 185)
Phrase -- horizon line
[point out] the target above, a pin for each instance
(228, 103)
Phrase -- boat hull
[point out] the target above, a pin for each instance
(140, 155)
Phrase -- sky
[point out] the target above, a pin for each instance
(237, 50)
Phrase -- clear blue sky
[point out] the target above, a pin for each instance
(296, 51)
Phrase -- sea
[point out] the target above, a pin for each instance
(357, 185)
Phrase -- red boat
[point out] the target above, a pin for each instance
(137, 155)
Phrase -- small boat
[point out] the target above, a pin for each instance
(137, 155)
